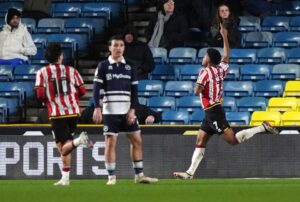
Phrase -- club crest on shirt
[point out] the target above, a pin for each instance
(110, 67)
(127, 67)
(105, 128)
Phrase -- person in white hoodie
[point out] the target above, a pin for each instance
(16, 43)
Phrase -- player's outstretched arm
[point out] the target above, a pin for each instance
(224, 33)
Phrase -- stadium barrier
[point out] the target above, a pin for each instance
(28, 152)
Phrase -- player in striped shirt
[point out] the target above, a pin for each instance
(59, 87)
(209, 86)
(115, 85)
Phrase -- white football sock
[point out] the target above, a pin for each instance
(196, 159)
(77, 142)
(65, 175)
(246, 134)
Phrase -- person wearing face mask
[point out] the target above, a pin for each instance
(230, 22)
(15, 41)
(168, 29)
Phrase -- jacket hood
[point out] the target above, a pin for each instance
(10, 14)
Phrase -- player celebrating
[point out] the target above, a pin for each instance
(210, 86)
(59, 87)
(115, 86)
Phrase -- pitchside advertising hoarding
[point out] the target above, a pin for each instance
(30, 152)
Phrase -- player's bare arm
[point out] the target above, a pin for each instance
(224, 33)
(197, 89)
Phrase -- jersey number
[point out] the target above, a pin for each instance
(216, 126)
(61, 87)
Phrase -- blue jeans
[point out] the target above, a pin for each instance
(13, 62)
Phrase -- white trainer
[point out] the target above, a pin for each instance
(62, 182)
(183, 175)
(270, 128)
(112, 180)
(84, 139)
(144, 179)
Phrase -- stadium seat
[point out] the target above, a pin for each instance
(39, 57)
(203, 51)
(143, 101)
(66, 10)
(107, 10)
(255, 72)
(290, 119)
(189, 72)
(178, 88)
(4, 6)
(182, 55)
(275, 24)
(160, 55)
(149, 88)
(286, 39)
(51, 25)
(292, 89)
(163, 72)
(292, 55)
(258, 117)
(19, 91)
(26, 72)
(268, 88)
(238, 118)
(161, 104)
(271, 55)
(238, 88)
(258, 40)
(89, 26)
(7, 107)
(229, 104)
(251, 104)
(295, 24)
(40, 40)
(242, 56)
(6, 72)
(233, 72)
(174, 117)
(286, 71)
(249, 24)
(30, 24)
(189, 103)
(282, 104)
(70, 41)
(292, 9)
(197, 117)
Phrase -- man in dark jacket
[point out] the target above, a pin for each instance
(168, 29)
(137, 54)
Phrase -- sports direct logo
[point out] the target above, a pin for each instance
(117, 76)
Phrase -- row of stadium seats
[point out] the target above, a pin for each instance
(264, 88)
(236, 72)
(290, 118)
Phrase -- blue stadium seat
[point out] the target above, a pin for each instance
(249, 24)
(19, 91)
(233, 72)
(90, 26)
(238, 118)
(271, 55)
(189, 103)
(197, 117)
(189, 72)
(229, 104)
(143, 101)
(287, 39)
(74, 41)
(40, 40)
(106, 10)
(66, 10)
(275, 24)
(286, 71)
(255, 71)
(258, 40)
(178, 88)
(292, 9)
(83, 1)
(163, 72)
(251, 104)
(6, 5)
(292, 55)
(243, 56)
(148, 88)
(160, 55)
(161, 104)
(7, 107)
(26, 72)
(268, 88)
(51, 25)
(39, 57)
(203, 51)
(238, 88)
(6, 72)
(182, 55)
(175, 118)
(30, 24)
(295, 23)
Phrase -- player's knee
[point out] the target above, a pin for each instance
(233, 142)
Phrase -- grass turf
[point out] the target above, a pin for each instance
(206, 190)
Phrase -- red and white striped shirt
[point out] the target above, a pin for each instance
(211, 78)
(60, 86)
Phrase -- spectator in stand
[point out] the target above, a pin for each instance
(147, 116)
(37, 9)
(137, 54)
(230, 22)
(15, 41)
(168, 29)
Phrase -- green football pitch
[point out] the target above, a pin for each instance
(205, 190)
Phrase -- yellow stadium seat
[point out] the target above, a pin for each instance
(290, 119)
(292, 89)
(258, 117)
(282, 104)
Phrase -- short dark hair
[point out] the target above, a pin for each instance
(214, 56)
(53, 52)
(115, 37)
